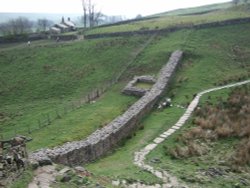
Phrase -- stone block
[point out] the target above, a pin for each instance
(1, 166)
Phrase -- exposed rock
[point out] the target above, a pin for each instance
(64, 170)
(244, 182)
(66, 178)
(13, 159)
(45, 161)
(80, 169)
(155, 160)
(116, 182)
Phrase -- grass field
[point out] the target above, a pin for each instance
(165, 21)
(48, 76)
(204, 66)
(45, 78)
(198, 10)
(218, 156)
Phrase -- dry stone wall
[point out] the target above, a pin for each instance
(131, 89)
(105, 139)
(171, 29)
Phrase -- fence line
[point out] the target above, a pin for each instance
(59, 112)
(47, 119)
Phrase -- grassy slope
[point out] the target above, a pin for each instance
(207, 51)
(197, 10)
(35, 81)
(165, 21)
(219, 151)
(208, 62)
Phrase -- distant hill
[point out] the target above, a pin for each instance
(35, 16)
(196, 10)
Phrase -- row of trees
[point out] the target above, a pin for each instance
(236, 2)
(91, 16)
(22, 25)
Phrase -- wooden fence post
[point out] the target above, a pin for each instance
(57, 114)
(65, 110)
(48, 119)
(29, 131)
(39, 123)
(97, 93)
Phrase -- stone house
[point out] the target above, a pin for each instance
(64, 26)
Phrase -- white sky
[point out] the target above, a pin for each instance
(128, 8)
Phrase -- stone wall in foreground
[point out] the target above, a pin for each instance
(105, 139)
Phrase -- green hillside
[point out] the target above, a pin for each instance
(210, 60)
(40, 80)
(41, 87)
(188, 17)
(198, 10)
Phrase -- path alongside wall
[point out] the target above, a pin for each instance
(103, 140)
(140, 156)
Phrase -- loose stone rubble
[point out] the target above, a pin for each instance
(13, 159)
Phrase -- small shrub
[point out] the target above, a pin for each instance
(141, 127)
(223, 132)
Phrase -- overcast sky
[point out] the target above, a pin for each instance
(128, 8)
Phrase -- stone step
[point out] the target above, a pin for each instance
(164, 135)
(175, 127)
(158, 140)
(150, 147)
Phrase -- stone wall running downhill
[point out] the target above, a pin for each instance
(105, 139)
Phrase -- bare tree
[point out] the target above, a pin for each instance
(5, 29)
(90, 14)
(23, 25)
(235, 2)
(16, 26)
(43, 24)
(84, 6)
(98, 17)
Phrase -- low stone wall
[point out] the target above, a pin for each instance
(131, 89)
(105, 139)
(171, 29)
(22, 38)
(64, 37)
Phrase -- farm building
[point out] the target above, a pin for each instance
(64, 26)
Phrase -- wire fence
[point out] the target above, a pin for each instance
(47, 119)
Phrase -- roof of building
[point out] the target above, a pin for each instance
(55, 29)
(69, 23)
(61, 26)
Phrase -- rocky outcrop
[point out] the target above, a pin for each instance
(105, 139)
